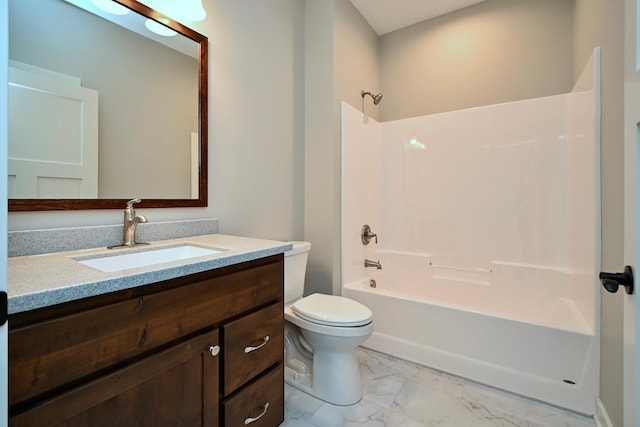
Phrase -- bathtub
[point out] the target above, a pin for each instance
(528, 329)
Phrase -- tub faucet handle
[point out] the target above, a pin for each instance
(366, 235)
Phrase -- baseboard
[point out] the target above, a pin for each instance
(601, 417)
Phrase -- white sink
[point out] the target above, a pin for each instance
(112, 262)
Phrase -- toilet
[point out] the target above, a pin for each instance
(321, 336)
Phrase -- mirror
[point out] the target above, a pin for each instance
(138, 109)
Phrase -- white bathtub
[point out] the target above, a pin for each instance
(524, 328)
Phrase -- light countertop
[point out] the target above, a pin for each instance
(38, 281)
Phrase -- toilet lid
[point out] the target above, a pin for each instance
(332, 310)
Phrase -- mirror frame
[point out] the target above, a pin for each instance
(16, 205)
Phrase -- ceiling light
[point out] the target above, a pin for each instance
(110, 6)
(158, 28)
(180, 10)
(195, 10)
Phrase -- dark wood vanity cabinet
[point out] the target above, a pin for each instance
(199, 350)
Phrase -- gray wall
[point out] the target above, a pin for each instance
(599, 23)
(357, 59)
(584, 33)
(321, 226)
(139, 112)
(492, 52)
(340, 60)
(256, 121)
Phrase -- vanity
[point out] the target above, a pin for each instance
(196, 342)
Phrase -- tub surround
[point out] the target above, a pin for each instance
(42, 280)
(488, 223)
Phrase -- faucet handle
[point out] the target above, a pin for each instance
(366, 235)
(131, 202)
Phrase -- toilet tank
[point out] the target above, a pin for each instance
(295, 266)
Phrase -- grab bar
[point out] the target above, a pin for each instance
(459, 268)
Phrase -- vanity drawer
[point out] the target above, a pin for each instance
(51, 354)
(260, 404)
(252, 344)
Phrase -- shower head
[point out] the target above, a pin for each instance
(376, 98)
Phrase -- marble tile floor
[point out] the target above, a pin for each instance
(403, 394)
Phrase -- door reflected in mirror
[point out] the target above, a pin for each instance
(100, 113)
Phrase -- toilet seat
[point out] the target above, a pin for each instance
(332, 310)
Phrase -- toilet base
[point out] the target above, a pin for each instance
(303, 382)
(321, 360)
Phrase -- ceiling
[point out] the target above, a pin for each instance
(385, 16)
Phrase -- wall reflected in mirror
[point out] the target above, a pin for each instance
(97, 110)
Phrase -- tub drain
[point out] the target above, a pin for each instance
(569, 382)
(372, 283)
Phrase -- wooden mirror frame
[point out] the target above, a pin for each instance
(16, 205)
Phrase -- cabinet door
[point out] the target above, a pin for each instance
(175, 387)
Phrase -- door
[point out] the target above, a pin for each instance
(4, 56)
(632, 211)
(53, 135)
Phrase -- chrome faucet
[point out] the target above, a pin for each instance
(131, 222)
(369, 263)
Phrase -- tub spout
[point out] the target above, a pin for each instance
(369, 263)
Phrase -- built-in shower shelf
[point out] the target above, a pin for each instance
(460, 273)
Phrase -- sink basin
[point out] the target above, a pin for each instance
(112, 262)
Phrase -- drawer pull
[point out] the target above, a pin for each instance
(250, 349)
(215, 350)
(264, 411)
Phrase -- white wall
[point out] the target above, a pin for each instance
(256, 126)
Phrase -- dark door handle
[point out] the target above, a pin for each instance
(3, 308)
(611, 281)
